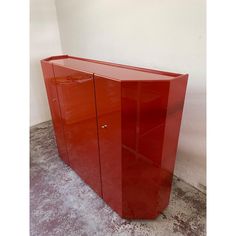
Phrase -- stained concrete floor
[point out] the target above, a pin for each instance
(61, 204)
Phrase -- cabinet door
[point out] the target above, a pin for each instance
(55, 109)
(108, 100)
(77, 103)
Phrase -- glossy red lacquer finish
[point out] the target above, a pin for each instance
(77, 102)
(108, 100)
(55, 109)
(150, 128)
(121, 126)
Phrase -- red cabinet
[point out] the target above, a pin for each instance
(117, 126)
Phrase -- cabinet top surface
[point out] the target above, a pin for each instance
(111, 70)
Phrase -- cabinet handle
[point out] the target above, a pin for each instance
(82, 80)
(104, 126)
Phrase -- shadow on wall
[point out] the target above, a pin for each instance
(191, 155)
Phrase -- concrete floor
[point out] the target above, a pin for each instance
(61, 204)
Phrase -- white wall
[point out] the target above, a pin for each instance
(163, 34)
(44, 42)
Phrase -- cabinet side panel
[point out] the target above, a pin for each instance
(173, 121)
(171, 135)
(77, 104)
(50, 84)
(144, 110)
(108, 99)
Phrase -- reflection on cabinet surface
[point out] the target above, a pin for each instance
(117, 126)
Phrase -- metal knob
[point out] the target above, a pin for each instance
(104, 126)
